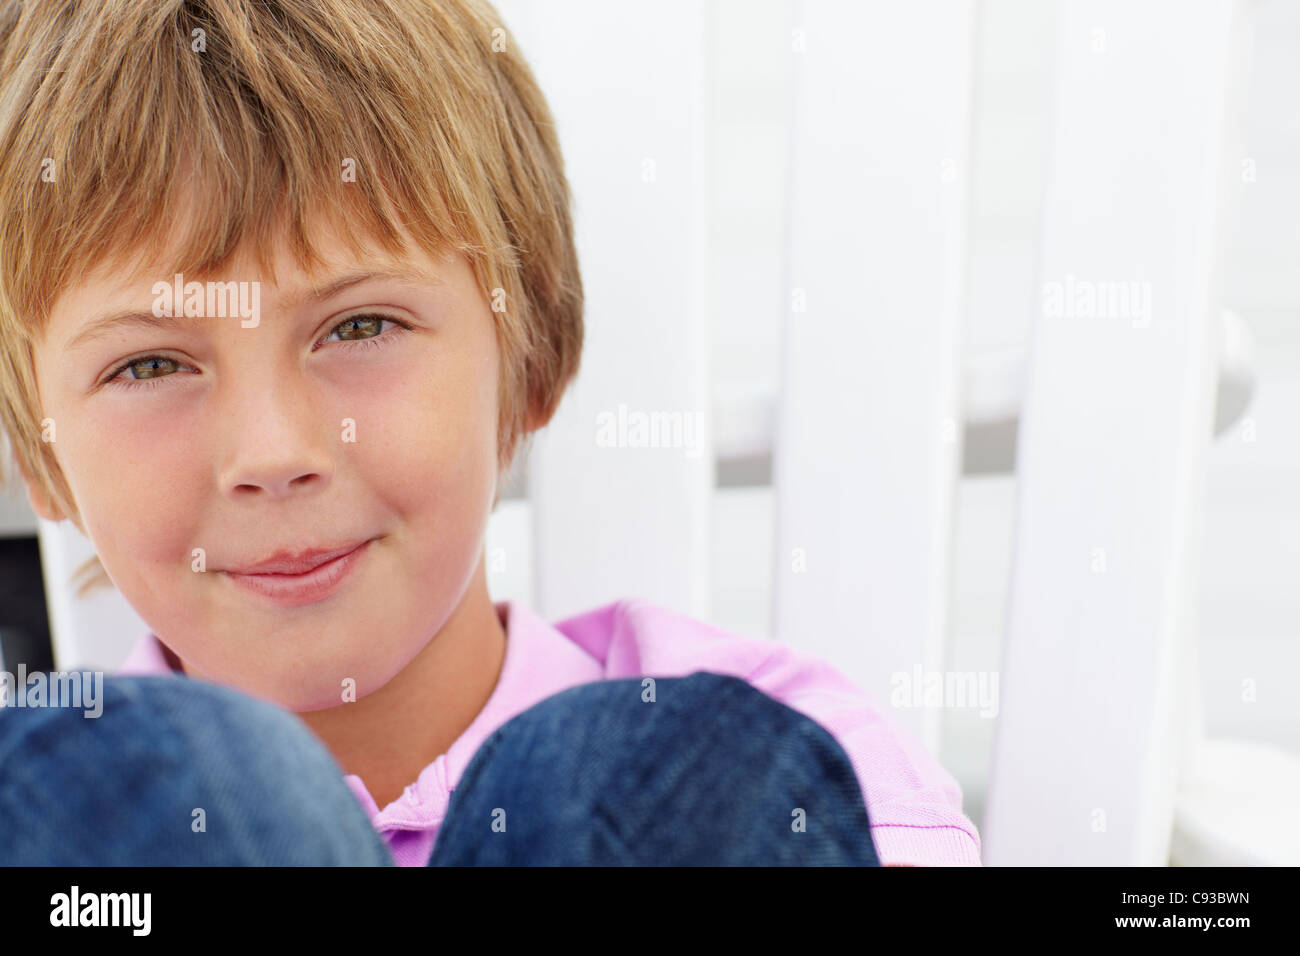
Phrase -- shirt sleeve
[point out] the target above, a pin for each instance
(913, 803)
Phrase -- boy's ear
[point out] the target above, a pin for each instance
(40, 504)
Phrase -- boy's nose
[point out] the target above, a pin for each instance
(277, 483)
(277, 446)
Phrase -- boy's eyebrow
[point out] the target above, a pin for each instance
(133, 317)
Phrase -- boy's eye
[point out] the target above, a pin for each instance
(147, 371)
(359, 327)
(153, 366)
(364, 330)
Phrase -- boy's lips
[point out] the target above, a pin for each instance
(325, 571)
(295, 562)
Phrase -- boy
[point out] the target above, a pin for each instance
(282, 287)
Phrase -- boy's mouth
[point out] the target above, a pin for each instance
(296, 562)
(294, 579)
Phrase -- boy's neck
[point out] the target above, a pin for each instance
(388, 737)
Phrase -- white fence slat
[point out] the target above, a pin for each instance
(95, 632)
(1113, 439)
(868, 443)
(613, 515)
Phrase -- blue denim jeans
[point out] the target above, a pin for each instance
(179, 772)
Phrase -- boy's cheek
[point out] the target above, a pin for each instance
(450, 451)
(150, 512)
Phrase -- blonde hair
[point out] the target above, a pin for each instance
(263, 103)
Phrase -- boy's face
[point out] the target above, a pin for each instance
(320, 427)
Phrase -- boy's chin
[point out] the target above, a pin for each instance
(285, 687)
(295, 698)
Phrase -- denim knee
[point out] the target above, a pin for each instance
(698, 769)
(174, 772)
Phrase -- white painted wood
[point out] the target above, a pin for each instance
(1113, 437)
(868, 437)
(615, 516)
(509, 552)
(17, 520)
(95, 632)
(1236, 806)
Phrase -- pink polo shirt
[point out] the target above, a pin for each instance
(914, 805)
